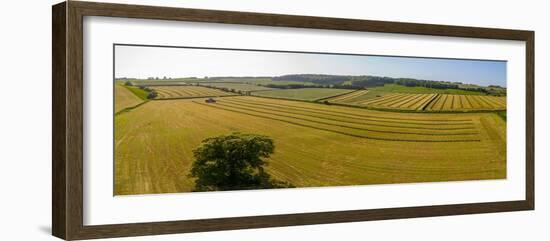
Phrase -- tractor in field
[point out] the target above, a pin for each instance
(210, 100)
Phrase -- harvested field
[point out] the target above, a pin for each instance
(316, 144)
(424, 102)
(124, 98)
(178, 92)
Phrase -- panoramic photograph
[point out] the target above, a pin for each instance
(189, 119)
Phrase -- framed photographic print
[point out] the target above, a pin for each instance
(171, 120)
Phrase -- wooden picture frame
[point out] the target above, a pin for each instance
(67, 90)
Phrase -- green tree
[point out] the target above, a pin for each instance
(233, 162)
(152, 94)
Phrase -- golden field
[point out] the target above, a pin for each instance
(316, 144)
(124, 98)
(427, 102)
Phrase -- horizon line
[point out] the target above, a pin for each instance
(209, 77)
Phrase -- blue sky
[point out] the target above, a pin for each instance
(143, 62)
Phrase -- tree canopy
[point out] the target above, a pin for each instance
(233, 162)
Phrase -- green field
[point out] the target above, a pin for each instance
(237, 86)
(316, 144)
(310, 94)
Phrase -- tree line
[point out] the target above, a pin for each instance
(368, 81)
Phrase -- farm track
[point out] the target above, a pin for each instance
(335, 131)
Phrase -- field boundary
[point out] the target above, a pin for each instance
(133, 91)
(250, 91)
(167, 85)
(128, 109)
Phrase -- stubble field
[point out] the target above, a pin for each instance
(316, 144)
(431, 102)
(124, 98)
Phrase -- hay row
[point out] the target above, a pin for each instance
(362, 116)
(332, 117)
(336, 131)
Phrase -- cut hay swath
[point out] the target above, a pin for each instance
(381, 100)
(413, 101)
(163, 93)
(465, 102)
(345, 128)
(408, 101)
(424, 124)
(422, 103)
(478, 103)
(398, 102)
